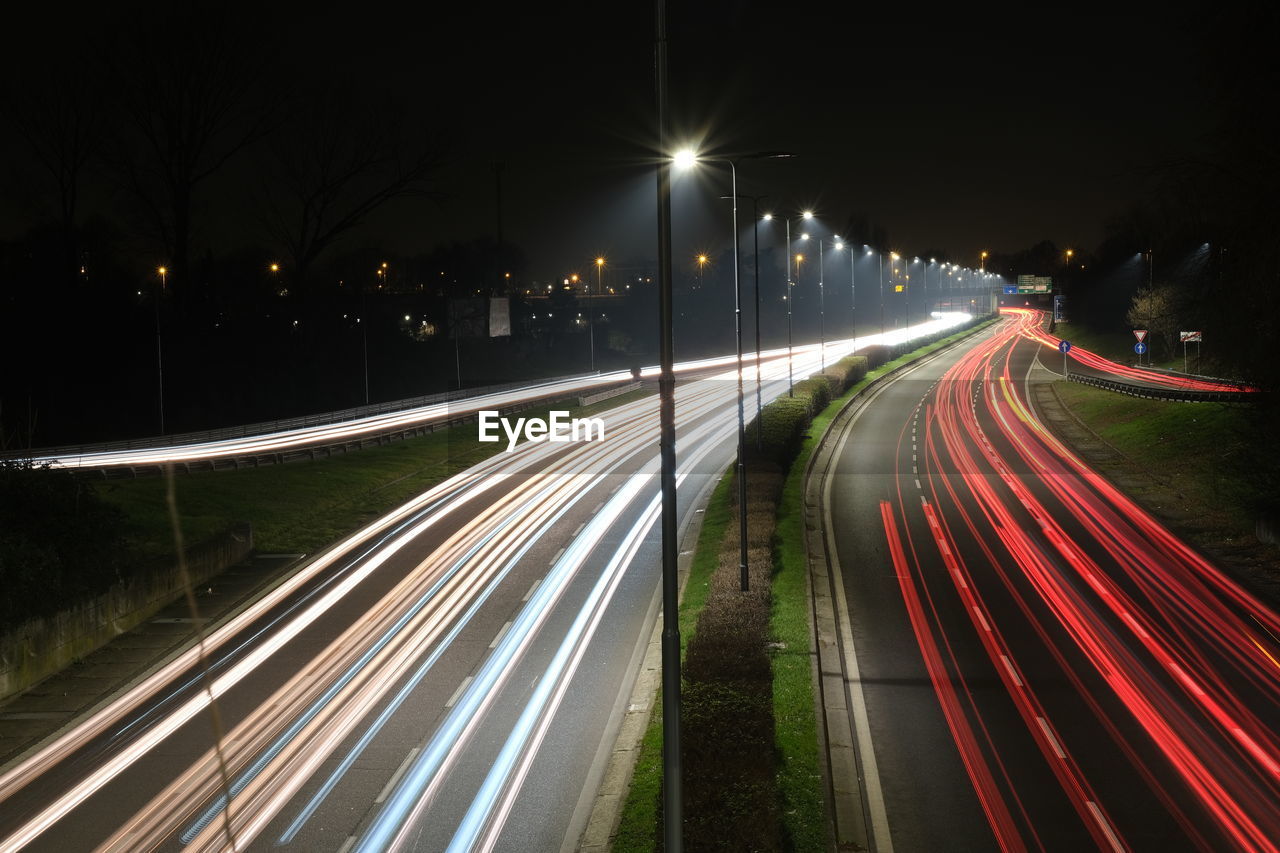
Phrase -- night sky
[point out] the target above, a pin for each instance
(970, 131)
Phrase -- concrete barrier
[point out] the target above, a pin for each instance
(38, 648)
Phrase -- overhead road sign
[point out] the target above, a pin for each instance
(1011, 290)
(1035, 284)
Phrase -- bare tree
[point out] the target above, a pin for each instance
(190, 101)
(340, 160)
(60, 120)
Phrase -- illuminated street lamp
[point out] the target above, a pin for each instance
(853, 289)
(822, 310)
(689, 158)
(163, 272)
(591, 301)
(893, 258)
(702, 263)
(808, 214)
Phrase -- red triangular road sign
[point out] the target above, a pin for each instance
(1140, 334)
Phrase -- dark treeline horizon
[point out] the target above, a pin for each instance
(217, 147)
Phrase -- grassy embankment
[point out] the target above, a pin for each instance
(1198, 450)
(300, 507)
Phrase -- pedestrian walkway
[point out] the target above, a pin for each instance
(41, 711)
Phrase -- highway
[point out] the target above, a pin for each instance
(1043, 666)
(444, 678)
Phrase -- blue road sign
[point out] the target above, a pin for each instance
(1139, 347)
(1064, 347)
(1011, 290)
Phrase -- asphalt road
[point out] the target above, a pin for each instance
(1043, 665)
(441, 679)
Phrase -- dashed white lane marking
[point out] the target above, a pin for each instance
(498, 638)
(457, 694)
(1106, 827)
(1053, 741)
(918, 483)
(395, 777)
(599, 506)
(1008, 664)
(579, 530)
(982, 620)
(529, 594)
(348, 844)
(556, 558)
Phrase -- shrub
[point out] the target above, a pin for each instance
(816, 393)
(875, 355)
(59, 541)
(782, 424)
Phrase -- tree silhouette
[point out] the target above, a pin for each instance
(190, 102)
(339, 160)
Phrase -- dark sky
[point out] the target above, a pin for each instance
(970, 130)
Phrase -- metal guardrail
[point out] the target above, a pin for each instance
(1180, 395)
(281, 425)
(589, 399)
(1169, 371)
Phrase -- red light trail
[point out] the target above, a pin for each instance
(1130, 616)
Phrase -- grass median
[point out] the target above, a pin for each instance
(301, 507)
(1205, 455)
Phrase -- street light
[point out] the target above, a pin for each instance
(591, 301)
(163, 272)
(893, 257)
(688, 158)
(755, 274)
(702, 264)
(822, 310)
(808, 214)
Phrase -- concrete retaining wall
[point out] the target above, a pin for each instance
(38, 648)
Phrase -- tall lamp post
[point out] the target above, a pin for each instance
(689, 158)
(853, 289)
(808, 214)
(163, 272)
(755, 271)
(672, 789)
(880, 258)
(591, 298)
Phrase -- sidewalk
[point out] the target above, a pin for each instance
(37, 714)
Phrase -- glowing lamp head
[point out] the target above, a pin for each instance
(599, 262)
(162, 270)
(808, 214)
(684, 158)
(768, 217)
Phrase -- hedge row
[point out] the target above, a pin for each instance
(782, 423)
